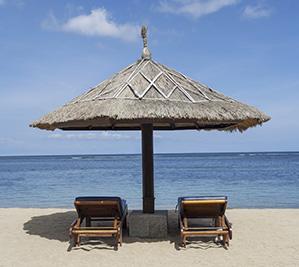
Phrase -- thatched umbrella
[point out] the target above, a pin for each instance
(149, 96)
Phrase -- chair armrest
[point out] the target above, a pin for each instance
(124, 215)
(229, 226)
(182, 223)
(73, 225)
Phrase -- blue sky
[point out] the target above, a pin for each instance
(52, 51)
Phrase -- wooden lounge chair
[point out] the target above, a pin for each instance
(109, 212)
(191, 208)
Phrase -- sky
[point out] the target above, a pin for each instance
(52, 51)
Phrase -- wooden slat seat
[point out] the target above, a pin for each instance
(207, 207)
(104, 210)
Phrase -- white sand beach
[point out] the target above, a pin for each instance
(39, 237)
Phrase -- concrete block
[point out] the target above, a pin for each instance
(144, 225)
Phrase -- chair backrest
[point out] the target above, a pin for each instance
(202, 207)
(99, 207)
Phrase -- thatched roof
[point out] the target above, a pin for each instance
(149, 92)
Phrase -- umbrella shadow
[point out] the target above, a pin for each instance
(55, 227)
(52, 226)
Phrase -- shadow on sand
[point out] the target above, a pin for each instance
(55, 227)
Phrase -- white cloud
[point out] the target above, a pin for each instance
(94, 136)
(257, 11)
(97, 23)
(195, 8)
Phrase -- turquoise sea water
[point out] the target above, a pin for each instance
(250, 180)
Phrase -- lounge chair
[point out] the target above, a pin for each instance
(105, 210)
(204, 208)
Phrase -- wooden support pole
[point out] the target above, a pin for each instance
(148, 169)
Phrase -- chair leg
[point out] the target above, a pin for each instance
(116, 242)
(184, 241)
(217, 224)
(225, 241)
(120, 238)
(77, 240)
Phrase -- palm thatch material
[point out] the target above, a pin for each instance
(149, 92)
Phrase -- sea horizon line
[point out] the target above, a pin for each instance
(159, 153)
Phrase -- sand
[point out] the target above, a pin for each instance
(39, 237)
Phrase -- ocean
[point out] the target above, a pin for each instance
(250, 180)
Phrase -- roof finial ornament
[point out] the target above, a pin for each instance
(146, 54)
